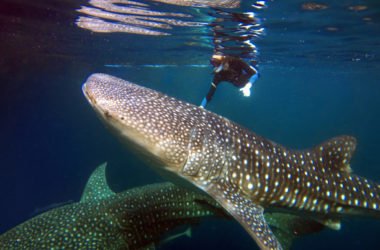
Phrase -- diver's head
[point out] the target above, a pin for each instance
(216, 60)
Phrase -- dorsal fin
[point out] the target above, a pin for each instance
(336, 153)
(97, 187)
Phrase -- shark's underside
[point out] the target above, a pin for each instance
(244, 172)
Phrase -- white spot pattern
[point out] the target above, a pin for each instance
(217, 149)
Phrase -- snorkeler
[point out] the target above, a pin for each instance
(234, 70)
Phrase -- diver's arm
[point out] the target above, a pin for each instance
(211, 92)
(249, 69)
(218, 69)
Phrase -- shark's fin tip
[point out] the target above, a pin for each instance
(333, 224)
(189, 232)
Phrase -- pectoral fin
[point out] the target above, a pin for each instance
(248, 214)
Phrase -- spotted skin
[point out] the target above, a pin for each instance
(244, 172)
(133, 219)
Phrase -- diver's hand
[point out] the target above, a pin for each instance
(204, 103)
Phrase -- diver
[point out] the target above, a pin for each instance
(234, 70)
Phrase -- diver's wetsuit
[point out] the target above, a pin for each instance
(233, 70)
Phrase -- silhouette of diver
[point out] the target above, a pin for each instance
(234, 70)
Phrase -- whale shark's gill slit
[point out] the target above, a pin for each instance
(191, 167)
(212, 162)
(220, 159)
(207, 153)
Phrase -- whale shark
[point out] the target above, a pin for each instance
(137, 218)
(244, 172)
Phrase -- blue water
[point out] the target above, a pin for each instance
(314, 84)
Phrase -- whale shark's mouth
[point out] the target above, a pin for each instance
(129, 135)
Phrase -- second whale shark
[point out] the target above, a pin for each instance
(137, 219)
(140, 218)
(244, 172)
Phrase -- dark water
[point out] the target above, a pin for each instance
(320, 73)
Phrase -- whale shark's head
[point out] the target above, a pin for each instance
(154, 124)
